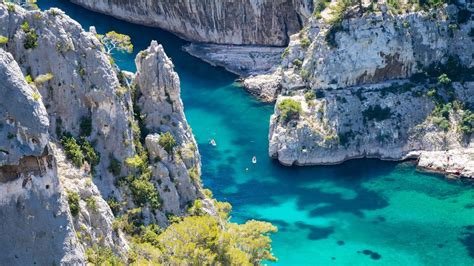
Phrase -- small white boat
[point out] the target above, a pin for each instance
(213, 142)
(254, 159)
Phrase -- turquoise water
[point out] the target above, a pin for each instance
(363, 212)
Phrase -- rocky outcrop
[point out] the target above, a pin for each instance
(158, 98)
(241, 60)
(35, 220)
(24, 126)
(386, 121)
(350, 81)
(247, 22)
(372, 48)
(60, 85)
(84, 86)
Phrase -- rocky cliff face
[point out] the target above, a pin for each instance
(72, 129)
(35, 218)
(373, 48)
(158, 98)
(247, 22)
(386, 121)
(356, 101)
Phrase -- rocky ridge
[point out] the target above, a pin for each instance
(248, 22)
(66, 94)
(341, 77)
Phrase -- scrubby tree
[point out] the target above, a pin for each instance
(168, 142)
(114, 41)
(289, 109)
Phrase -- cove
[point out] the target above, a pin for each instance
(364, 212)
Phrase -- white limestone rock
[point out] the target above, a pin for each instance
(84, 83)
(243, 22)
(241, 60)
(339, 126)
(177, 173)
(23, 119)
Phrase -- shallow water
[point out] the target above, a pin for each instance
(363, 212)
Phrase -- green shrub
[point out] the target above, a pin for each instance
(443, 79)
(114, 205)
(143, 192)
(320, 6)
(305, 42)
(432, 92)
(377, 113)
(346, 137)
(97, 255)
(91, 204)
(11, 8)
(297, 63)
(338, 12)
(3, 40)
(136, 162)
(168, 142)
(290, 109)
(29, 79)
(73, 200)
(36, 96)
(441, 115)
(467, 122)
(31, 38)
(90, 155)
(72, 150)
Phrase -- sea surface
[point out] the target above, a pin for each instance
(364, 212)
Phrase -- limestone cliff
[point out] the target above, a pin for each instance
(386, 121)
(377, 46)
(376, 85)
(73, 130)
(246, 22)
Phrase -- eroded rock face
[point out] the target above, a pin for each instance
(244, 22)
(391, 122)
(241, 60)
(59, 82)
(355, 96)
(381, 46)
(373, 48)
(158, 90)
(84, 86)
(34, 212)
(24, 121)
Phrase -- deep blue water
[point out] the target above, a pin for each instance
(363, 212)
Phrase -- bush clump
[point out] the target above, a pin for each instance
(3, 40)
(73, 200)
(144, 192)
(168, 142)
(73, 150)
(90, 155)
(290, 109)
(305, 42)
(31, 38)
(467, 122)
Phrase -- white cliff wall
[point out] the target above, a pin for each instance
(243, 22)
